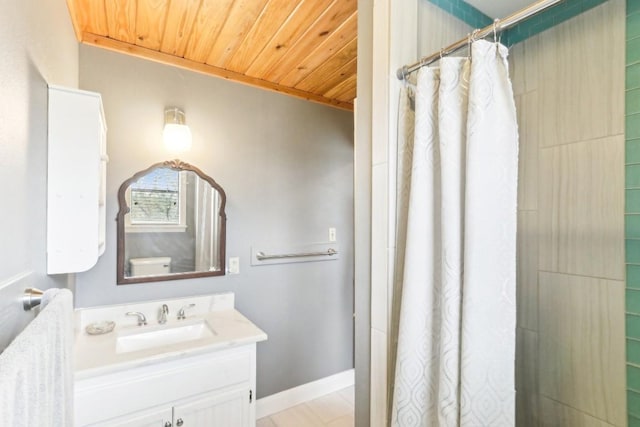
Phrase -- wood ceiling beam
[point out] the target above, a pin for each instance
(163, 58)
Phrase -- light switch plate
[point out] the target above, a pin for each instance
(234, 265)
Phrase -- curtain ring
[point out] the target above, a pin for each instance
(441, 52)
(496, 38)
(471, 38)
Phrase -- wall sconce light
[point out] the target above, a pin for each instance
(176, 134)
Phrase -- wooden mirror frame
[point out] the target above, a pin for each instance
(124, 209)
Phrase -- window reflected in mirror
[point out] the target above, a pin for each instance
(158, 202)
(157, 198)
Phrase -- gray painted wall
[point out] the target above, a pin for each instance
(38, 47)
(29, 36)
(287, 168)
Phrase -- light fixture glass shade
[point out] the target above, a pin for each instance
(176, 134)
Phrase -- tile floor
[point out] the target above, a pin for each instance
(332, 410)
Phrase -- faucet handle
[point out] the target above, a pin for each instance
(162, 314)
(181, 311)
(142, 320)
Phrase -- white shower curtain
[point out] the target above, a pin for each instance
(207, 205)
(456, 338)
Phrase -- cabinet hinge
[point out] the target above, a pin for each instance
(250, 396)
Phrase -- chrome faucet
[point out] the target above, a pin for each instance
(162, 314)
(181, 311)
(142, 320)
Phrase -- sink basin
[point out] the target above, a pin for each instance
(158, 336)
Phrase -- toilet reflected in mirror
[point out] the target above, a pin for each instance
(171, 225)
(154, 266)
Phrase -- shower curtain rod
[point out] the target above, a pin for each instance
(497, 26)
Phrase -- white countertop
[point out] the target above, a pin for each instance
(96, 354)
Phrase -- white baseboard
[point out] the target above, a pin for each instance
(294, 396)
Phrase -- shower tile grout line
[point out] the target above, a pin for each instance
(599, 138)
(575, 409)
(584, 275)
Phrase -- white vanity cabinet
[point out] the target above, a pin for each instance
(212, 409)
(162, 417)
(76, 180)
(229, 408)
(169, 378)
(211, 389)
(222, 409)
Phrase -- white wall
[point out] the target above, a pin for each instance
(38, 48)
(286, 166)
(362, 215)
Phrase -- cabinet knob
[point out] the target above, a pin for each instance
(179, 422)
(167, 424)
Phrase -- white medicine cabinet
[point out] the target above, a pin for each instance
(76, 183)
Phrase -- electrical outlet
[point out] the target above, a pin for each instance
(234, 265)
(332, 234)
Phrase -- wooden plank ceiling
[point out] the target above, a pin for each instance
(304, 48)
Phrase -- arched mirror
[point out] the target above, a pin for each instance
(171, 224)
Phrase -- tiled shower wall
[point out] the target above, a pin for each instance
(569, 87)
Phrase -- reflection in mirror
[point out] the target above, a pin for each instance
(171, 225)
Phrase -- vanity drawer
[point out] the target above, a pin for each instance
(125, 392)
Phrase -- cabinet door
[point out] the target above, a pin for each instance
(74, 151)
(220, 409)
(153, 418)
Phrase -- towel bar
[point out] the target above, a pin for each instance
(31, 298)
(261, 256)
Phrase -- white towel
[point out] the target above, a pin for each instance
(36, 370)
